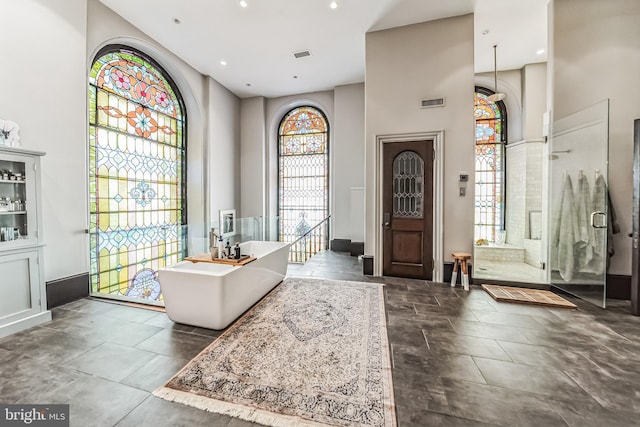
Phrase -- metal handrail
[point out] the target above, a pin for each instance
(310, 243)
(310, 230)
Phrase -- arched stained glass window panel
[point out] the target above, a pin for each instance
(303, 200)
(136, 175)
(489, 165)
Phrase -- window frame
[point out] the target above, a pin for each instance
(181, 146)
(503, 147)
(327, 153)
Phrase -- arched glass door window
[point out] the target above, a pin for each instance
(408, 185)
(491, 138)
(303, 151)
(136, 174)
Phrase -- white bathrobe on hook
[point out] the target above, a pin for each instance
(585, 242)
(567, 232)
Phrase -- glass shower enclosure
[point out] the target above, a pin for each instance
(579, 214)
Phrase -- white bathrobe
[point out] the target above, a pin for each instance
(586, 238)
(567, 233)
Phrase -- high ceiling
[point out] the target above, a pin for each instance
(257, 42)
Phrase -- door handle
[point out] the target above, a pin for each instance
(593, 219)
(387, 219)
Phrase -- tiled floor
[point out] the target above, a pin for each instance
(459, 359)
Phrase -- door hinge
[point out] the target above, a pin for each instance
(35, 167)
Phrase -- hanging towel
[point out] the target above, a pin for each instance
(567, 232)
(586, 237)
(612, 228)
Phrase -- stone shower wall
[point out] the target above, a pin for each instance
(524, 195)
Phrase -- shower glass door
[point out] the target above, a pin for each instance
(579, 208)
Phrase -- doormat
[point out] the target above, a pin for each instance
(527, 296)
(311, 353)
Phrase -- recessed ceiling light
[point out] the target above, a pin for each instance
(248, 84)
(540, 51)
(223, 62)
(295, 77)
(243, 3)
(485, 32)
(176, 21)
(333, 5)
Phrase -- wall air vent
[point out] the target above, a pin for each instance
(429, 103)
(301, 54)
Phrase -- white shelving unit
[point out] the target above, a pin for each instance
(23, 297)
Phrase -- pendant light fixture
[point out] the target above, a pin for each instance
(497, 96)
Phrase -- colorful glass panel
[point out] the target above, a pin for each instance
(489, 167)
(132, 77)
(136, 155)
(303, 173)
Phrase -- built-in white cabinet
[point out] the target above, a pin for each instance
(23, 301)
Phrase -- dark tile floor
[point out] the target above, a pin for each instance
(459, 359)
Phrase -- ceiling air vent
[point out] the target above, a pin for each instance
(429, 103)
(302, 54)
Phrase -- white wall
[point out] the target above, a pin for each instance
(213, 120)
(106, 27)
(224, 150)
(534, 105)
(524, 188)
(534, 99)
(252, 160)
(348, 163)
(344, 108)
(524, 159)
(516, 194)
(53, 118)
(403, 66)
(43, 82)
(595, 55)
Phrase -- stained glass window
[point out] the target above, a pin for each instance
(303, 173)
(489, 165)
(136, 175)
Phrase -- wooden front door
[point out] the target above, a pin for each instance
(408, 209)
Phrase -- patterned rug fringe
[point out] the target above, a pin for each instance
(234, 410)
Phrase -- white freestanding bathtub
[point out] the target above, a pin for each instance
(212, 295)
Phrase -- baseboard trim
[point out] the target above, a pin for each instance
(341, 245)
(356, 248)
(67, 289)
(618, 286)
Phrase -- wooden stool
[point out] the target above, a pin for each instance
(460, 258)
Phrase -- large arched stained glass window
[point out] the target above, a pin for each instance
(491, 138)
(303, 176)
(136, 175)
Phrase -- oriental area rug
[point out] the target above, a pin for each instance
(312, 353)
